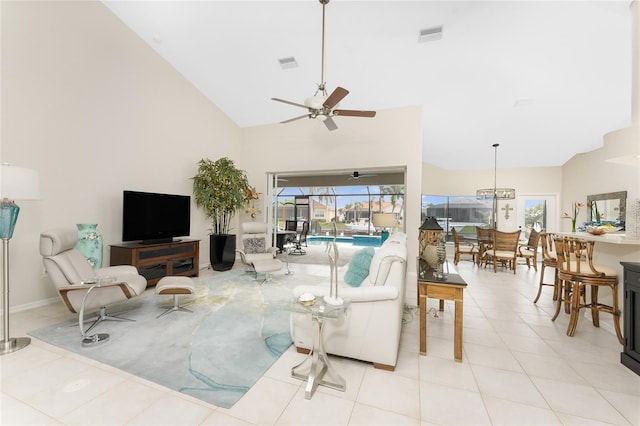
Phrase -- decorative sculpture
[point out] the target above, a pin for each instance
(332, 252)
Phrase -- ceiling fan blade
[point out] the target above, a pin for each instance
(354, 113)
(331, 125)
(295, 118)
(335, 97)
(288, 102)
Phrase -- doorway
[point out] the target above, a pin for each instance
(538, 211)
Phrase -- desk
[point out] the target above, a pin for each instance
(452, 288)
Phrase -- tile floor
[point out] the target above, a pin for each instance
(518, 367)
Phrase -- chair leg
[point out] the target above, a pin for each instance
(559, 301)
(540, 285)
(575, 309)
(176, 307)
(567, 298)
(103, 316)
(616, 313)
(595, 312)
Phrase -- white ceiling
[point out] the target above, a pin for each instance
(545, 80)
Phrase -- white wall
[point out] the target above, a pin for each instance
(392, 138)
(531, 181)
(91, 107)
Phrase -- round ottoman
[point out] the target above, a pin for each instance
(175, 286)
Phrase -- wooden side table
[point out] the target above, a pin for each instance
(451, 288)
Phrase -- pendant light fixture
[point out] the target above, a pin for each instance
(495, 193)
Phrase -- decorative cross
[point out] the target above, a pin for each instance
(506, 209)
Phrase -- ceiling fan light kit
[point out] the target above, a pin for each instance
(322, 106)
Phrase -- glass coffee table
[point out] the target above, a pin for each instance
(316, 368)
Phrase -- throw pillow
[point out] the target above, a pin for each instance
(254, 245)
(358, 268)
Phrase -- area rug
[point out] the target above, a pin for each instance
(237, 329)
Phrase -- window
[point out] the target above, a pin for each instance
(464, 213)
(349, 207)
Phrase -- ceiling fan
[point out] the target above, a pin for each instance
(321, 106)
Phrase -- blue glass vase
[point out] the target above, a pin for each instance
(90, 243)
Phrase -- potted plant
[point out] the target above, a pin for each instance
(220, 189)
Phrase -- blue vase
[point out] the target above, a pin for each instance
(90, 243)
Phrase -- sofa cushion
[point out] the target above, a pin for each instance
(359, 267)
(254, 245)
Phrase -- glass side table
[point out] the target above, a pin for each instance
(316, 368)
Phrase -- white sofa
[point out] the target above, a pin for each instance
(371, 329)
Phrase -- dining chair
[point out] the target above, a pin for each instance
(463, 247)
(549, 260)
(485, 238)
(504, 249)
(576, 271)
(529, 251)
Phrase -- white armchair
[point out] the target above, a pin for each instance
(259, 257)
(254, 244)
(370, 331)
(73, 276)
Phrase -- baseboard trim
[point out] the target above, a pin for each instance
(27, 306)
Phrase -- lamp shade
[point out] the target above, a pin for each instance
(19, 183)
(384, 220)
(430, 224)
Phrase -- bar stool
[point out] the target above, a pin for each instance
(576, 271)
(549, 260)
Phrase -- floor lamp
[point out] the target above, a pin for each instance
(16, 183)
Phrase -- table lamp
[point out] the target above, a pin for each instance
(16, 183)
(429, 232)
(384, 221)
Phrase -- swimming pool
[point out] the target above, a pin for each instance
(356, 240)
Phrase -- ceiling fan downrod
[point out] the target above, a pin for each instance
(321, 86)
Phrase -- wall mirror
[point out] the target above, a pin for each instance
(611, 206)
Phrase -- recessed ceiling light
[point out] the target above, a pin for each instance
(523, 102)
(430, 34)
(286, 63)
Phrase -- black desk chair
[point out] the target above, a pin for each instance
(301, 239)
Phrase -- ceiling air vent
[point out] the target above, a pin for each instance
(286, 63)
(430, 34)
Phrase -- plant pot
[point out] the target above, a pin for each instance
(222, 251)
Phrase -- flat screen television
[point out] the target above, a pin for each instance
(154, 218)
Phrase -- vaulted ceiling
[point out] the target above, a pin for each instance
(544, 79)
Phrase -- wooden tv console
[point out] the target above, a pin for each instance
(155, 261)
